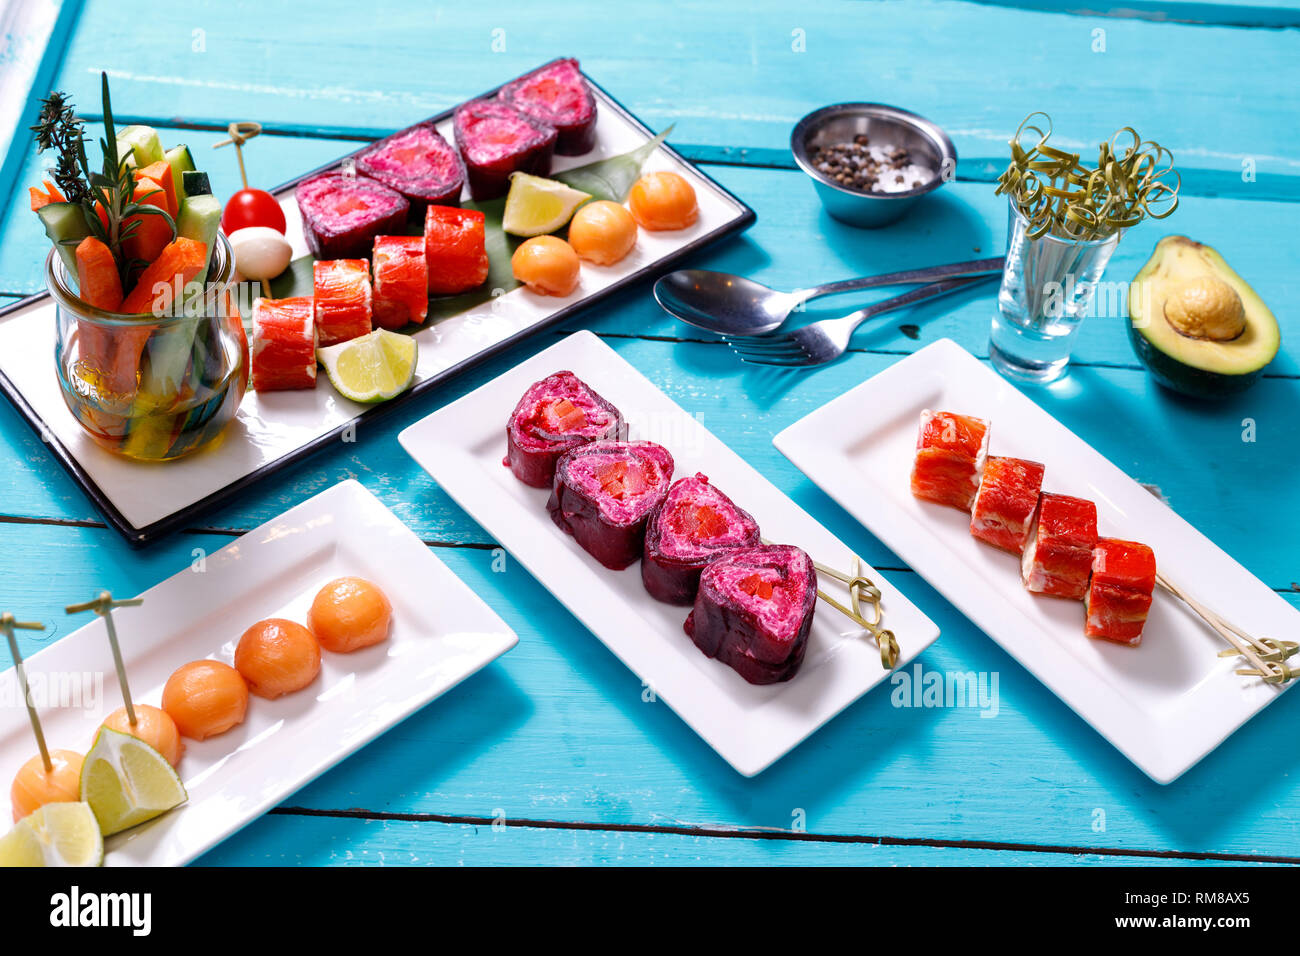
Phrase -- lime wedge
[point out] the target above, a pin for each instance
(536, 206)
(372, 368)
(57, 834)
(127, 782)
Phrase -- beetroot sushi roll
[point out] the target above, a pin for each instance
(1005, 502)
(342, 299)
(557, 95)
(555, 416)
(283, 354)
(695, 524)
(341, 215)
(495, 140)
(950, 454)
(604, 493)
(1058, 553)
(418, 163)
(1119, 594)
(754, 611)
(401, 281)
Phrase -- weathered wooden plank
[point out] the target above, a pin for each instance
(558, 730)
(321, 841)
(725, 80)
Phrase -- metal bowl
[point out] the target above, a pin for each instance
(927, 144)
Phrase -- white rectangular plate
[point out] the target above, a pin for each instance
(442, 633)
(1165, 704)
(144, 501)
(462, 447)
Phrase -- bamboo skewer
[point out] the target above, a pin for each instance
(1267, 657)
(239, 134)
(8, 624)
(104, 606)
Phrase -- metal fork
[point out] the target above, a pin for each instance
(825, 341)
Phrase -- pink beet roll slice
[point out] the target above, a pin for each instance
(495, 140)
(695, 524)
(604, 493)
(1005, 503)
(1057, 559)
(418, 163)
(283, 353)
(754, 611)
(558, 95)
(1119, 594)
(343, 299)
(401, 281)
(554, 416)
(341, 215)
(950, 454)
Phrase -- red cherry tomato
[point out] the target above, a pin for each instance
(252, 207)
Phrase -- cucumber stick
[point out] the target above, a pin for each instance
(145, 143)
(181, 162)
(169, 352)
(65, 220)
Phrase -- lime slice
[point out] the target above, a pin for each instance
(372, 368)
(127, 782)
(57, 834)
(537, 206)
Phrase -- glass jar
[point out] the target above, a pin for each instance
(153, 388)
(1049, 286)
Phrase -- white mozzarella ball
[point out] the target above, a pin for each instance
(260, 252)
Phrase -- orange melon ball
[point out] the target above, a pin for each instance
(277, 657)
(663, 201)
(155, 727)
(602, 232)
(34, 786)
(547, 265)
(349, 614)
(205, 698)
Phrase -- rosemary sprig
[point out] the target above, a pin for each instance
(109, 193)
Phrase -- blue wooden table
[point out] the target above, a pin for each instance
(551, 755)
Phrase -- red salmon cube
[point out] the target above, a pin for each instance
(950, 454)
(1119, 594)
(455, 245)
(401, 281)
(1005, 502)
(284, 344)
(343, 299)
(1058, 554)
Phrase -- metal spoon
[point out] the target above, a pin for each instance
(733, 305)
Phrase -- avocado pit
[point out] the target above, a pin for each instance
(1206, 307)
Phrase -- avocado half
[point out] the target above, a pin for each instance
(1196, 325)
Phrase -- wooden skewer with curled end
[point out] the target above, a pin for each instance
(7, 626)
(1268, 657)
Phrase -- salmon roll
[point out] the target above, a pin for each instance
(695, 524)
(1005, 502)
(950, 454)
(604, 493)
(455, 247)
(342, 300)
(1119, 594)
(1057, 558)
(754, 611)
(556, 415)
(284, 344)
(401, 281)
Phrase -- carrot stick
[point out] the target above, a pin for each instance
(181, 259)
(148, 239)
(161, 173)
(97, 276)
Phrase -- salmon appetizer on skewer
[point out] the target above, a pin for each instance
(1005, 503)
(1119, 594)
(1058, 553)
(950, 454)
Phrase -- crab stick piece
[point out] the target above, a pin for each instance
(950, 454)
(1057, 558)
(1005, 502)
